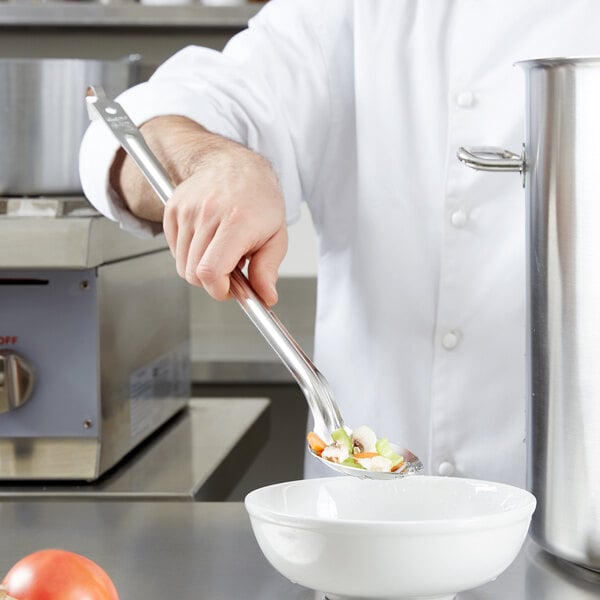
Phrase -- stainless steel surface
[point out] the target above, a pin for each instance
(316, 389)
(490, 158)
(314, 386)
(227, 348)
(198, 455)
(124, 15)
(110, 368)
(563, 134)
(144, 355)
(16, 381)
(563, 220)
(46, 206)
(80, 239)
(240, 371)
(67, 33)
(42, 119)
(549, 578)
(207, 550)
(100, 107)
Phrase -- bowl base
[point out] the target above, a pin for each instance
(436, 597)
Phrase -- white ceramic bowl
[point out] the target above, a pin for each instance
(413, 537)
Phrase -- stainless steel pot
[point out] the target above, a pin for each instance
(561, 169)
(43, 117)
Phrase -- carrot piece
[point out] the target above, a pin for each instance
(365, 454)
(317, 445)
(398, 466)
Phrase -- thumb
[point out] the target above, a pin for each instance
(264, 265)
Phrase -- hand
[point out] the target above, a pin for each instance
(230, 208)
(227, 206)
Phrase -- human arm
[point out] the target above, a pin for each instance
(227, 205)
(269, 91)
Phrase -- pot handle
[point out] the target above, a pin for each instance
(491, 158)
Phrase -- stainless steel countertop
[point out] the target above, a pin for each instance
(124, 15)
(198, 455)
(207, 550)
(240, 372)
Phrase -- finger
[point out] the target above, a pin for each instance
(177, 232)
(226, 250)
(185, 233)
(264, 266)
(216, 284)
(170, 230)
(190, 231)
(197, 248)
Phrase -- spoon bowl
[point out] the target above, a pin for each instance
(410, 466)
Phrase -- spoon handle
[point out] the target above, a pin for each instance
(313, 384)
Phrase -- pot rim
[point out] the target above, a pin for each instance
(558, 61)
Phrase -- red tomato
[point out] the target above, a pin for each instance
(58, 575)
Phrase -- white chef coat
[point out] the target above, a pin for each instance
(361, 107)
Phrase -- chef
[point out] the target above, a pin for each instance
(358, 108)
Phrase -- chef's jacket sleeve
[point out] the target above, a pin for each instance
(268, 89)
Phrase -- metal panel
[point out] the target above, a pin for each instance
(200, 454)
(32, 458)
(120, 14)
(67, 243)
(111, 350)
(50, 319)
(144, 321)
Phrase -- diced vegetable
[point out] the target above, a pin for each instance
(365, 454)
(384, 448)
(336, 453)
(364, 439)
(341, 437)
(317, 445)
(359, 449)
(352, 462)
(380, 463)
(399, 466)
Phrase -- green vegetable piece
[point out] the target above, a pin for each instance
(341, 437)
(383, 447)
(352, 462)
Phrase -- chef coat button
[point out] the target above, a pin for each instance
(458, 218)
(465, 99)
(450, 340)
(445, 469)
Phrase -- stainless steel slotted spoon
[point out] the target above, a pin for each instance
(318, 394)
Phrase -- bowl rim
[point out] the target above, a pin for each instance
(389, 527)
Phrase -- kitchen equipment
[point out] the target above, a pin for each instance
(416, 537)
(322, 404)
(561, 167)
(42, 120)
(552, 578)
(92, 357)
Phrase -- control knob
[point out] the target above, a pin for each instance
(16, 381)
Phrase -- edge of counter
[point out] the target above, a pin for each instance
(126, 15)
